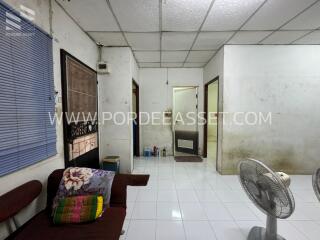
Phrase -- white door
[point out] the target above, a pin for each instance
(185, 121)
(185, 109)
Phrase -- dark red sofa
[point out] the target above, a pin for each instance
(108, 227)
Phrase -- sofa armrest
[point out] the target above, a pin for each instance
(12, 202)
(119, 187)
(52, 187)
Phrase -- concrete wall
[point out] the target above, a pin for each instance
(115, 95)
(69, 36)
(156, 96)
(41, 9)
(283, 80)
(214, 68)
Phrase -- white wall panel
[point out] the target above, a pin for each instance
(177, 40)
(183, 15)
(211, 40)
(137, 15)
(310, 19)
(93, 15)
(282, 80)
(275, 13)
(283, 37)
(109, 38)
(156, 96)
(249, 37)
(144, 41)
(115, 95)
(228, 15)
(174, 56)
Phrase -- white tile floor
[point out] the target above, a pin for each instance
(192, 201)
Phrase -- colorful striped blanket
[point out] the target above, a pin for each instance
(78, 209)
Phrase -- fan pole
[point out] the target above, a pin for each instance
(271, 231)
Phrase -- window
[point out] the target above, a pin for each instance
(26, 93)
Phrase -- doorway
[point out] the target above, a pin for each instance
(211, 107)
(185, 121)
(136, 126)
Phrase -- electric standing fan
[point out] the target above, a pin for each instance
(316, 183)
(270, 193)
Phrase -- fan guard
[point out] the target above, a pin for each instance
(316, 183)
(270, 193)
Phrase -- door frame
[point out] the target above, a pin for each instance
(173, 123)
(136, 151)
(205, 127)
(91, 158)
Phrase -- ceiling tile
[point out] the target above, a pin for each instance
(177, 40)
(144, 41)
(200, 56)
(149, 65)
(173, 56)
(172, 64)
(211, 40)
(249, 37)
(93, 15)
(183, 15)
(109, 38)
(283, 37)
(147, 56)
(308, 20)
(137, 15)
(312, 38)
(194, 65)
(227, 15)
(276, 13)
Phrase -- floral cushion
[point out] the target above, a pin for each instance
(84, 181)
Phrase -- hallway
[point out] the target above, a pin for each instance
(192, 201)
(212, 150)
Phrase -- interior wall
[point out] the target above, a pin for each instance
(214, 68)
(40, 8)
(115, 95)
(156, 93)
(66, 35)
(283, 80)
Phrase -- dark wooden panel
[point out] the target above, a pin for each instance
(80, 99)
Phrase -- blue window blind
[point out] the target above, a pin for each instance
(26, 93)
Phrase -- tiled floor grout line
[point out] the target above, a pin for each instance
(299, 230)
(184, 229)
(208, 220)
(202, 174)
(127, 230)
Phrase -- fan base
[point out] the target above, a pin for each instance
(259, 233)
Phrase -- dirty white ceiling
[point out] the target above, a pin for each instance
(188, 33)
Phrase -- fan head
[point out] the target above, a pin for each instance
(266, 189)
(316, 183)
